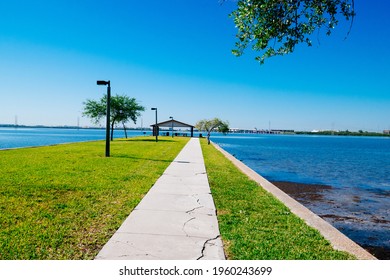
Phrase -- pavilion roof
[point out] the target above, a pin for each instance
(176, 123)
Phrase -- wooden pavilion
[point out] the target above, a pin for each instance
(171, 124)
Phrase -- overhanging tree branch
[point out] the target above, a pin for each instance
(275, 27)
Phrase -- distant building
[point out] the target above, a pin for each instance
(386, 131)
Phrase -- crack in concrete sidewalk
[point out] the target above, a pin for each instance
(205, 244)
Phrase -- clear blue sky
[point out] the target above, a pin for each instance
(176, 55)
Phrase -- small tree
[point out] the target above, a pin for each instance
(122, 109)
(212, 124)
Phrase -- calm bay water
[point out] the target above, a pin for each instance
(357, 169)
(31, 137)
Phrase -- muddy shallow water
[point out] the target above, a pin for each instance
(351, 213)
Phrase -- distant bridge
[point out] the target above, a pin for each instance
(262, 131)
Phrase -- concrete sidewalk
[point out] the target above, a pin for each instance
(176, 220)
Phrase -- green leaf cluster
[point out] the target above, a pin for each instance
(275, 27)
(122, 109)
(209, 125)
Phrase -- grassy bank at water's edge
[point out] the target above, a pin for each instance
(65, 201)
(254, 224)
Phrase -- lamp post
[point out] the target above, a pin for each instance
(156, 127)
(107, 83)
(171, 125)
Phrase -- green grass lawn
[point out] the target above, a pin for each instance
(65, 201)
(254, 224)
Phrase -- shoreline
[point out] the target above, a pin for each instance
(307, 193)
(337, 239)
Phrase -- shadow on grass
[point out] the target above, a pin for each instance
(139, 158)
(143, 140)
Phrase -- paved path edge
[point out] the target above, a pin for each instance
(175, 220)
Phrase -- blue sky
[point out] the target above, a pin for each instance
(176, 55)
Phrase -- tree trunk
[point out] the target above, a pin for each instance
(124, 127)
(112, 130)
(208, 138)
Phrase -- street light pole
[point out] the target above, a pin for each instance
(107, 83)
(156, 127)
(171, 125)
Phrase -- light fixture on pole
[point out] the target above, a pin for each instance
(107, 83)
(171, 125)
(156, 127)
